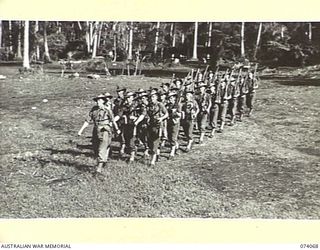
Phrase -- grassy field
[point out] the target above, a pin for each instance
(268, 166)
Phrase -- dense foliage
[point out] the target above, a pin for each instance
(280, 44)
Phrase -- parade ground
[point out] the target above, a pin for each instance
(267, 166)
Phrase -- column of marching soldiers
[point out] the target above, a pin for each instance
(152, 119)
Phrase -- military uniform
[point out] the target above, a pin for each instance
(154, 111)
(250, 97)
(204, 104)
(173, 124)
(243, 87)
(234, 91)
(190, 110)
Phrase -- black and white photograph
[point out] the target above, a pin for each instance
(158, 119)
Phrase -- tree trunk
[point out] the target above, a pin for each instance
(87, 37)
(182, 38)
(195, 42)
(157, 38)
(310, 32)
(100, 31)
(114, 42)
(95, 40)
(10, 36)
(242, 40)
(130, 42)
(36, 29)
(46, 47)
(209, 34)
(26, 62)
(0, 33)
(91, 35)
(258, 42)
(19, 44)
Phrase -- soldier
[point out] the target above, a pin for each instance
(243, 87)
(165, 87)
(252, 86)
(131, 120)
(164, 133)
(156, 114)
(173, 122)
(117, 109)
(142, 130)
(225, 97)
(233, 101)
(215, 92)
(204, 104)
(190, 111)
(177, 84)
(103, 120)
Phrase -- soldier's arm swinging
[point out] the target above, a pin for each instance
(85, 124)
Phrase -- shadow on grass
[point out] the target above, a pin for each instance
(79, 166)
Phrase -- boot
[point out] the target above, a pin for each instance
(250, 112)
(221, 127)
(201, 137)
(240, 117)
(146, 153)
(123, 146)
(232, 121)
(212, 133)
(172, 152)
(176, 149)
(132, 155)
(163, 143)
(99, 167)
(158, 154)
(153, 160)
(189, 145)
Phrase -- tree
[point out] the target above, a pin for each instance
(310, 32)
(45, 41)
(19, 54)
(195, 42)
(258, 41)
(242, 40)
(209, 34)
(0, 33)
(157, 38)
(130, 41)
(26, 62)
(36, 29)
(95, 40)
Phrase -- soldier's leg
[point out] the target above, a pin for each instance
(104, 147)
(203, 125)
(129, 140)
(251, 102)
(233, 107)
(215, 115)
(164, 136)
(153, 141)
(224, 108)
(190, 125)
(95, 141)
(241, 102)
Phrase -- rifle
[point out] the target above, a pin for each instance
(216, 73)
(192, 71)
(228, 83)
(255, 84)
(205, 73)
(173, 76)
(198, 71)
